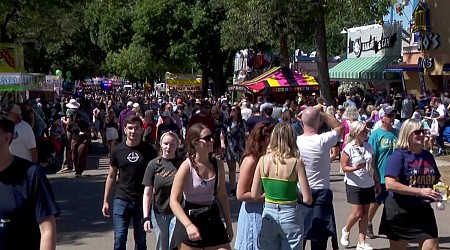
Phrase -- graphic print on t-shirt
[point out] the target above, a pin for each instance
(133, 157)
(421, 173)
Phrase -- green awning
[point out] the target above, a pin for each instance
(363, 68)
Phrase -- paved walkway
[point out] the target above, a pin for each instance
(81, 225)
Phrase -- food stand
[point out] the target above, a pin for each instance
(183, 83)
(279, 82)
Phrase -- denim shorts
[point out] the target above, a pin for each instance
(281, 227)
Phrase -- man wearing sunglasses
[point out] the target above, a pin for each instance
(383, 141)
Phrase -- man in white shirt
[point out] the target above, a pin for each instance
(319, 221)
(23, 144)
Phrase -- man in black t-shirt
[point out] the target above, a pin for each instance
(27, 207)
(131, 157)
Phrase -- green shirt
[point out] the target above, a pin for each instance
(383, 143)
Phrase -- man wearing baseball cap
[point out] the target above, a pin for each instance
(383, 141)
(23, 143)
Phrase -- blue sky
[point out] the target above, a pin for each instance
(407, 14)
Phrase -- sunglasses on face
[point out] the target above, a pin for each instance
(207, 138)
(419, 132)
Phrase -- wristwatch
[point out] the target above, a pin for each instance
(145, 219)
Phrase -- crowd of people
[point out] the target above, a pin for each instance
(167, 157)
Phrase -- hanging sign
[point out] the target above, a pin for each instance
(425, 63)
(429, 41)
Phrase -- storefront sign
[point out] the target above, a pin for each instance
(374, 41)
(310, 68)
(425, 63)
(358, 46)
(9, 80)
(186, 88)
(429, 41)
(293, 89)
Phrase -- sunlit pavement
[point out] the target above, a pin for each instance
(82, 226)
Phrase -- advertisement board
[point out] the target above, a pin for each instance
(11, 58)
(374, 40)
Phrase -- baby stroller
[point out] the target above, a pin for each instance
(47, 148)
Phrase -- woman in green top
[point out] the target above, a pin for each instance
(277, 174)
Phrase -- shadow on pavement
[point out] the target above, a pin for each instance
(80, 200)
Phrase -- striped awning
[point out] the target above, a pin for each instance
(281, 79)
(363, 68)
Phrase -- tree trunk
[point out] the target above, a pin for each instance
(322, 54)
(284, 50)
(205, 80)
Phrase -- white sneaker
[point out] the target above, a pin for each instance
(344, 238)
(363, 246)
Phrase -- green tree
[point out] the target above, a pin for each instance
(283, 22)
(52, 33)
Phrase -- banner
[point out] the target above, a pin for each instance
(11, 58)
(188, 88)
(183, 79)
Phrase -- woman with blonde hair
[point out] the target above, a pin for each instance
(201, 183)
(410, 175)
(277, 174)
(158, 180)
(350, 115)
(360, 180)
(334, 154)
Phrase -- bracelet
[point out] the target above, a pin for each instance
(145, 219)
(188, 225)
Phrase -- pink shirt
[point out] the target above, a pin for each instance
(198, 190)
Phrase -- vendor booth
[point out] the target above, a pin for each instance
(13, 86)
(187, 83)
(281, 81)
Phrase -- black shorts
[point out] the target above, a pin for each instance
(410, 222)
(360, 196)
(209, 224)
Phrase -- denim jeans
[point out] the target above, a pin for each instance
(164, 227)
(281, 227)
(123, 212)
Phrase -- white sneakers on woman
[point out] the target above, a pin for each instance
(345, 237)
(346, 242)
(363, 246)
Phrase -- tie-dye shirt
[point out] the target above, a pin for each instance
(414, 170)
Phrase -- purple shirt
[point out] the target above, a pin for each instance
(414, 170)
(123, 116)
